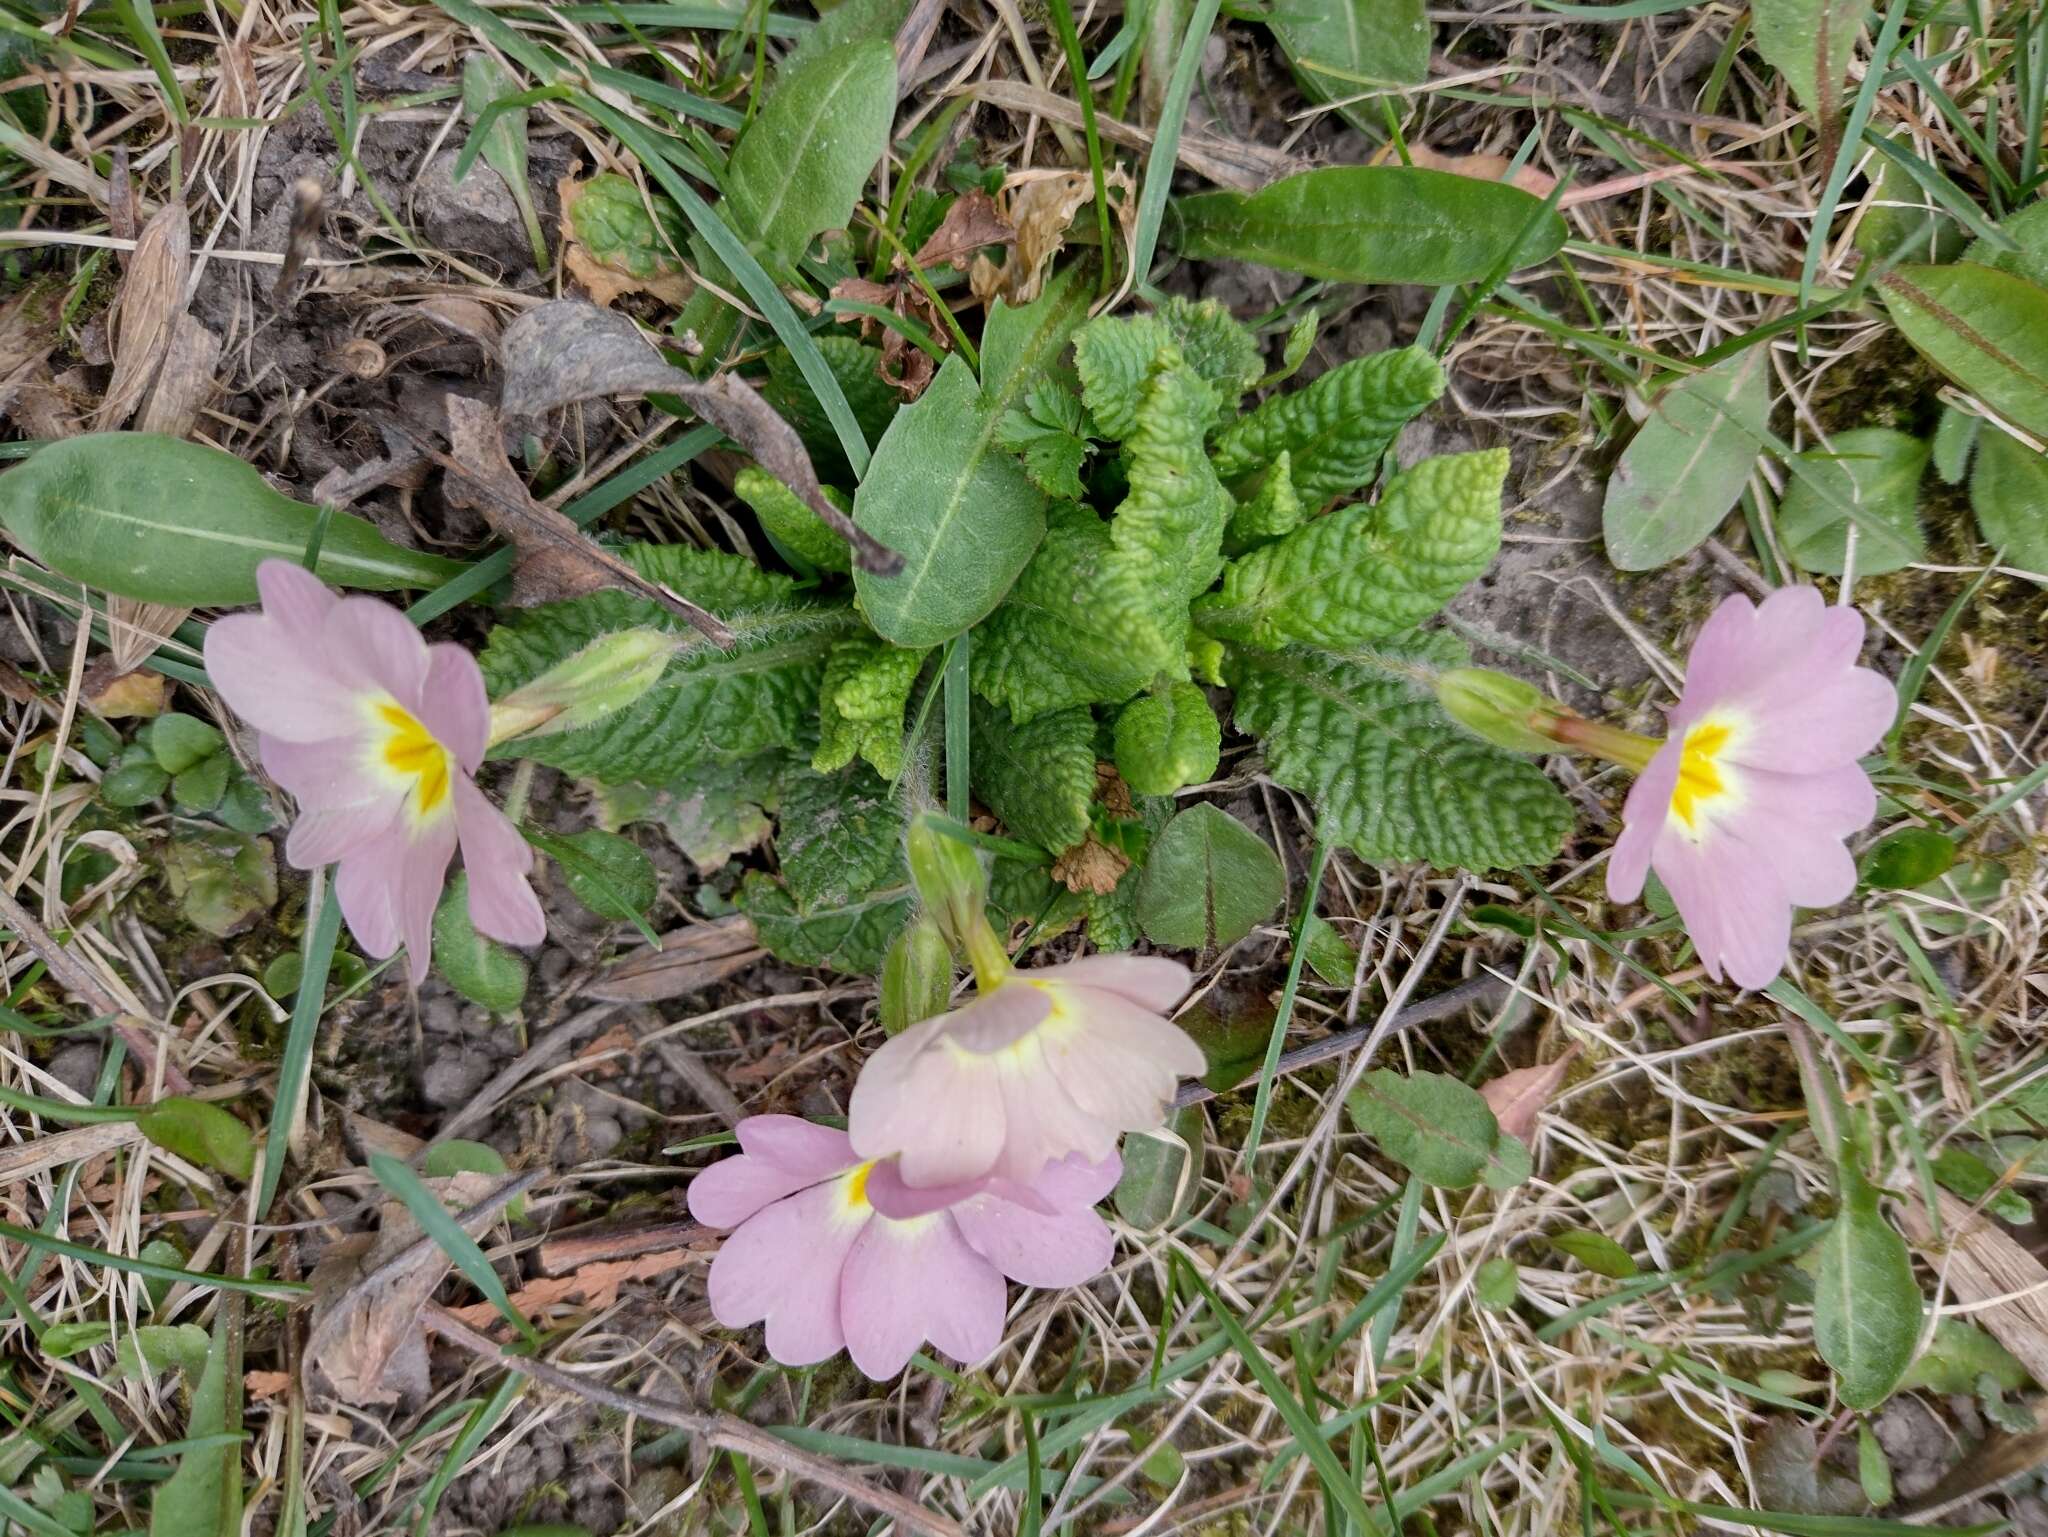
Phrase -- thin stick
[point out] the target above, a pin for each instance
(1477, 993)
(724, 1431)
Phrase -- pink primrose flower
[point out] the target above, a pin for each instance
(1046, 1063)
(1744, 810)
(376, 734)
(833, 1251)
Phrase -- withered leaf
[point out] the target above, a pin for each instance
(556, 558)
(1517, 1097)
(689, 960)
(909, 368)
(569, 350)
(1091, 866)
(364, 1345)
(146, 313)
(971, 223)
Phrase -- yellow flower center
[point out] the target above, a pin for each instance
(1700, 781)
(857, 1187)
(413, 754)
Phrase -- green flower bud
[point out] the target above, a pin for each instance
(604, 677)
(917, 975)
(1504, 710)
(953, 889)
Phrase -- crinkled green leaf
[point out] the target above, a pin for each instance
(856, 366)
(959, 508)
(1038, 776)
(1389, 773)
(839, 837)
(610, 220)
(711, 809)
(1209, 881)
(1365, 573)
(860, 705)
(793, 525)
(1020, 343)
(1052, 455)
(1335, 429)
(1271, 511)
(1116, 359)
(222, 880)
(845, 890)
(482, 970)
(1101, 611)
(2028, 256)
(760, 695)
(1957, 1356)
(1167, 740)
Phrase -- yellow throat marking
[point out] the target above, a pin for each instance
(413, 753)
(1700, 781)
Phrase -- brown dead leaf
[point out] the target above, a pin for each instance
(568, 350)
(147, 310)
(689, 960)
(261, 1385)
(605, 282)
(186, 382)
(970, 224)
(1517, 1097)
(1041, 206)
(132, 696)
(1983, 1264)
(1111, 790)
(596, 1286)
(904, 365)
(1479, 167)
(1091, 866)
(601, 1053)
(364, 1344)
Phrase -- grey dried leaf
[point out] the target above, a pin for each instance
(569, 350)
(689, 960)
(152, 298)
(364, 1345)
(184, 383)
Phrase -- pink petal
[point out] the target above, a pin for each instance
(296, 599)
(780, 1156)
(1643, 816)
(388, 889)
(1150, 981)
(908, 1282)
(1804, 730)
(800, 1146)
(1734, 905)
(280, 686)
(1122, 1066)
(1036, 1250)
(1042, 1123)
(370, 641)
(912, 1100)
(322, 776)
(1743, 646)
(501, 903)
(453, 705)
(999, 1018)
(321, 837)
(782, 1266)
(890, 1196)
(1073, 1183)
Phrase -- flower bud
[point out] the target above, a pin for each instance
(1502, 709)
(953, 889)
(917, 975)
(604, 677)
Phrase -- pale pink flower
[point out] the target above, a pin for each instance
(1046, 1063)
(376, 734)
(1743, 811)
(833, 1251)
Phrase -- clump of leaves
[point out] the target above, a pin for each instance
(1118, 542)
